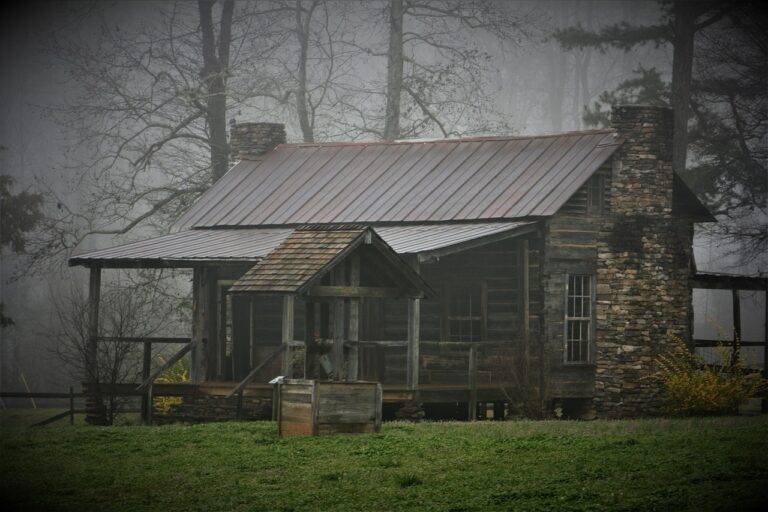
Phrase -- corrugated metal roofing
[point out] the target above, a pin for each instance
(394, 182)
(251, 244)
(299, 258)
(192, 246)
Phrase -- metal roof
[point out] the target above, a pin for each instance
(188, 247)
(191, 247)
(406, 181)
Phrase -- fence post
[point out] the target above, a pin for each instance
(145, 369)
(148, 419)
(472, 406)
(71, 405)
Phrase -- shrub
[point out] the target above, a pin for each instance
(694, 388)
(179, 372)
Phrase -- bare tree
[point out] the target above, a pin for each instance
(125, 312)
(437, 75)
(149, 124)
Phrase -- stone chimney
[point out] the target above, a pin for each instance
(643, 294)
(249, 141)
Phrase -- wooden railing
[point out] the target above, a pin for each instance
(71, 411)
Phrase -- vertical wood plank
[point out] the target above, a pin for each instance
(412, 356)
(252, 312)
(287, 335)
(484, 310)
(525, 296)
(195, 355)
(736, 326)
(765, 344)
(472, 378)
(98, 413)
(71, 405)
(338, 339)
(146, 367)
(149, 409)
(310, 343)
(211, 323)
(339, 307)
(354, 320)
(94, 297)
(378, 400)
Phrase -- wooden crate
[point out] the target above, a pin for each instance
(312, 407)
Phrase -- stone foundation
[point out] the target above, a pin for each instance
(207, 408)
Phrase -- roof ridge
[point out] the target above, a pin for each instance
(478, 138)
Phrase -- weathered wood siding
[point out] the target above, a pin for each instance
(309, 407)
(570, 247)
(496, 269)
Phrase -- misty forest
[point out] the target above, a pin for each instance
(115, 119)
(118, 117)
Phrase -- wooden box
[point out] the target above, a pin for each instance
(312, 407)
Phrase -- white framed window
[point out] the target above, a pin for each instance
(579, 303)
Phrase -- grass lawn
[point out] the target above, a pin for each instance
(691, 464)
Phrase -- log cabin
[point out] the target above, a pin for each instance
(471, 277)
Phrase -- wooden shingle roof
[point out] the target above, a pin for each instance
(301, 256)
(310, 252)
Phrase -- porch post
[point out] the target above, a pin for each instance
(96, 413)
(354, 320)
(412, 357)
(200, 314)
(338, 339)
(287, 335)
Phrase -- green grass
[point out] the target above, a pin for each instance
(693, 464)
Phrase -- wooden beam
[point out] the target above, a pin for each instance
(248, 378)
(211, 326)
(472, 384)
(721, 343)
(146, 367)
(310, 344)
(728, 282)
(356, 291)
(338, 339)
(353, 330)
(287, 335)
(168, 363)
(130, 339)
(94, 297)
(98, 415)
(736, 326)
(412, 356)
(525, 291)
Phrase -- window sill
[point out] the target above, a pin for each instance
(579, 365)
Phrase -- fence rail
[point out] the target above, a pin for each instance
(57, 395)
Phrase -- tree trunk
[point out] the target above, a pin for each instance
(214, 72)
(394, 71)
(685, 14)
(302, 106)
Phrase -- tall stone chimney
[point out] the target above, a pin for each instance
(249, 141)
(643, 293)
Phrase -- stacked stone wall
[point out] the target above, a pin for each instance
(643, 294)
(208, 408)
(251, 140)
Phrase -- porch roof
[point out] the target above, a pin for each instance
(248, 245)
(309, 253)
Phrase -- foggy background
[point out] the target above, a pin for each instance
(526, 83)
